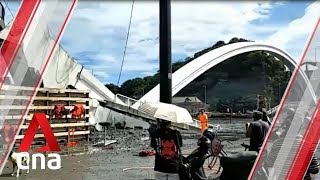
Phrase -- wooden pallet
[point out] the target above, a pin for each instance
(44, 102)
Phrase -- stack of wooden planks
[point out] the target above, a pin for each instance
(66, 129)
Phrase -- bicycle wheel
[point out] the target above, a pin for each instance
(211, 161)
(212, 166)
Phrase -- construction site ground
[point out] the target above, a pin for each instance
(109, 162)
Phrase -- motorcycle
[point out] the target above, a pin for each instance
(236, 166)
(198, 157)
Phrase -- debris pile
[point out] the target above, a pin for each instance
(126, 139)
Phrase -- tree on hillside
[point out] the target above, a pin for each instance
(113, 88)
(133, 87)
(257, 67)
(151, 82)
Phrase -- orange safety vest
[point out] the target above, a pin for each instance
(8, 132)
(203, 118)
(78, 111)
(59, 111)
(204, 121)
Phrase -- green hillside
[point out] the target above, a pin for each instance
(235, 82)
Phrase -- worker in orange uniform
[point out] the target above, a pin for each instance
(203, 120)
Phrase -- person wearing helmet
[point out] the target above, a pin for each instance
(257, 131)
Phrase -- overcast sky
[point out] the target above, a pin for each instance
(96, 33)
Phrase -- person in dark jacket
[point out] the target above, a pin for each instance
(166, 143)
(256, 131)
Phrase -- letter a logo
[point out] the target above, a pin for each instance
(39, 119)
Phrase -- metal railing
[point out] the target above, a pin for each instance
(272, 110)
(128, 101)
(197, 124)
(292, 104)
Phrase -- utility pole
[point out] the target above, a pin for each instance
(231, 111)
(165, 51)
(205, 98)
(269, 107)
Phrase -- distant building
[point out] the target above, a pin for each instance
(191, 103)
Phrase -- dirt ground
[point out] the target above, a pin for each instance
(104, 163)
(109, 163)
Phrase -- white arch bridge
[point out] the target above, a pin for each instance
(198, 66)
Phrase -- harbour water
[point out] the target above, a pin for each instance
(233, 130)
